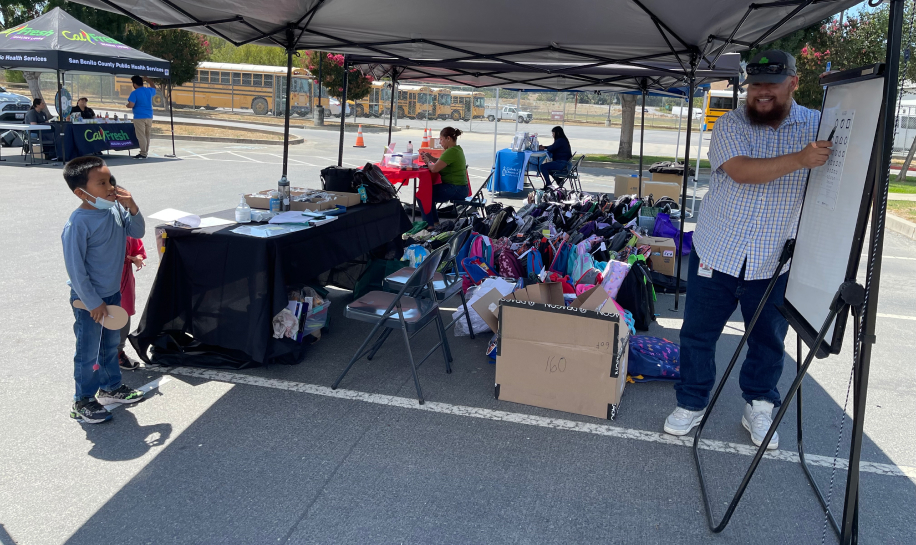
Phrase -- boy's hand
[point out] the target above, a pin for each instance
(136, 260)
(99, 312)
(124, 197)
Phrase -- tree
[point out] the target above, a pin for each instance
(15, 13)
(332, 75)
(223, 51)
(185, 50)
(628, 113)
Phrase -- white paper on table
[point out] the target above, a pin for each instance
(192, 221)
(293, 216)
(169, 214)
(214, 222)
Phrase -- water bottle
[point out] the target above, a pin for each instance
(409, 146)
(243, 211)
(283, 190)
(274, 201)
(363, 197)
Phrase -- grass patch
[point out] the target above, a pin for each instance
(222, 132)
(906, 186)
(903, 209)
(647, 160)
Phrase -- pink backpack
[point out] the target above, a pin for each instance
(482, 248)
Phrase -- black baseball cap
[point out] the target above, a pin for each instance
(771, 66)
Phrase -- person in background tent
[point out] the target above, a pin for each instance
(452, 168)
(760, 156)
(560, 155)
(82, 108)
(141, 101)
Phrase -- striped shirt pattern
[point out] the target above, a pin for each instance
(752, 222)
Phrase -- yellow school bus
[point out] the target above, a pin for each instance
(441, 107)
(413, 101)
(467, 105)
(242, 86)
(377, 103)
(718, 103)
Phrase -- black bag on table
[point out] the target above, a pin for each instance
(378, 188)
(339, 179)
(637, 295)
(669, 167)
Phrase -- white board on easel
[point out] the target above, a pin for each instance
(832, 225)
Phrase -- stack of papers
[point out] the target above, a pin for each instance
(188, 221)
(267, 231)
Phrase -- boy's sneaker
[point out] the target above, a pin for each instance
(89, 411)
(757, 418)
(123, 394)
(126, 363)
(681, 421)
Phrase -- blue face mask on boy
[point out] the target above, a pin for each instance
(99, 203)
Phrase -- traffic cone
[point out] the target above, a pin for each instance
(359, 138)
(425, 144)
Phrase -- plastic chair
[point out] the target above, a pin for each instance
(446, 283)
(400, 311)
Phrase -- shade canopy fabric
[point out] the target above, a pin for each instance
(576, 31)
(58, 41)
(547, 77)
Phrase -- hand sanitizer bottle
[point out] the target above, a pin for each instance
(274, 201)
(243, 211)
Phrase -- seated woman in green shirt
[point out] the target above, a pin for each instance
(452, 167)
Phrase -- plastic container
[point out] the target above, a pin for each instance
(274, 205)
(283, 190)
(243, 211)
(317, 319)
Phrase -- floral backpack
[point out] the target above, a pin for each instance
(653, 358)
(508, 265)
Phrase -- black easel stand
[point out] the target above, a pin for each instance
(849, 296)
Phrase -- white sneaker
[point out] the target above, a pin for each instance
(757, 418)
(681, 421)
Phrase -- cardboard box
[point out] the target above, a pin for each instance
(626, 185)
(670, 178)
(549, 293)
(262, 200)
(571, 359)
(662, 189)
(663, 254)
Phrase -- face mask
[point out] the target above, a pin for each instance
(99, 203)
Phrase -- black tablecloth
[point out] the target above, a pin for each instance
(80, 139)
(224, 289)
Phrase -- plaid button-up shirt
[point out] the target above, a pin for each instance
(750, 223)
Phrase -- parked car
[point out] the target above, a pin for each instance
(509, 112)
(334, 105)
(13, 107)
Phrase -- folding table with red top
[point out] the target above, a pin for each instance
(423, 182)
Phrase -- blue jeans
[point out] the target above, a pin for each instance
(444, 193)
(550, 167)
(710, 302)
(90, 351)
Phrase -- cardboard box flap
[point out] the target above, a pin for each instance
(548, 293)
(487, 307)
(596, 299)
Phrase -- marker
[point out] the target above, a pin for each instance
(830, 138)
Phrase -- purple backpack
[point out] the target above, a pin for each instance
(652, 358)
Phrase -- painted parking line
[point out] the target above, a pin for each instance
(529, 420)
(244, 157)
(896, 316)
(278, 156)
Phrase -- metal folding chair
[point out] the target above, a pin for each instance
(446, 283)
(402, 311)
(569, 174)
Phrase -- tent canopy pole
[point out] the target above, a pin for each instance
(171, 120)
(642, 134)
(343, 111)
(680, 258)
(394, 85)
(289, 80)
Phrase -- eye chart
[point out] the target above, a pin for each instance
(826, 179)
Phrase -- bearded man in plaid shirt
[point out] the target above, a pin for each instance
(760, 157)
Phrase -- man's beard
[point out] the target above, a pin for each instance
(776, 114)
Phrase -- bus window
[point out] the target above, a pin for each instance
(224, 78)
(203, 76)
(246, 79)
(445, 100)
(478, 102)
(720, 103)
(268, 80)
(257, 80)
(423, 98)
(386, 95)
(236, 78)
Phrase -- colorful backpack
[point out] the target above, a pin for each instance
(509, 267)
(652, 358)
(561, 260)
(533, 263)
(482, 247)
(580, 260)
(637, 295)
(476, 270)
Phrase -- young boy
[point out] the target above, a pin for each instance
(95, 240)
